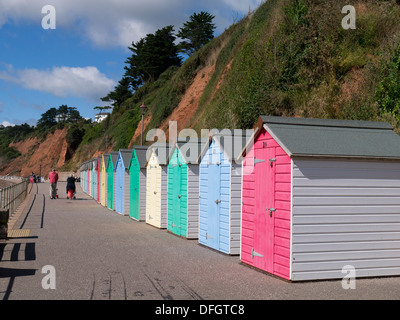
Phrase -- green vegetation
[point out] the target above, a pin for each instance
(297, 60)
(287, 58)
(11, 135)
(63, 114)
(388, 90)
(196, 32)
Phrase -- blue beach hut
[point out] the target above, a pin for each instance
(122, 181)
(220, 191)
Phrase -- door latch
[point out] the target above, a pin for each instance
(271, 161)
(217, 201)
(271, 210)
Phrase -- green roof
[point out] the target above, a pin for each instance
(141, 155)
(333, 138)
(113, 156)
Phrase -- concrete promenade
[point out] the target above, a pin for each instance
(98, 254)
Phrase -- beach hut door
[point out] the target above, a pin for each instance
(120, 188)
(214, 204)
(263, 251)
(110, 186)
(177, 196)
(134, 192)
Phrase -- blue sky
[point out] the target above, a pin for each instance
(83, 58)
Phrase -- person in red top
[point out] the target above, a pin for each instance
(53, 179)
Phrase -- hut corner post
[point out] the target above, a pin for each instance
(4, 216)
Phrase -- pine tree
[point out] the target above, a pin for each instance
(151, 56)
(121, 92)
(197, 31)
(48, 119)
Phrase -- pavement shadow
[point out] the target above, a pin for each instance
(14, 253)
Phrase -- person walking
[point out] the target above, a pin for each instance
(71, 189)
(53, 179)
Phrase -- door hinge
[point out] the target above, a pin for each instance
(258, 160)
(255, 254)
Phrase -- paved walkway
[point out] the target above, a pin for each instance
(98, 254)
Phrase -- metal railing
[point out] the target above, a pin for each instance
(12, 196)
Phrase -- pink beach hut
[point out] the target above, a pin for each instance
(319, 196)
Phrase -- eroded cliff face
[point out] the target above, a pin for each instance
(39, 156)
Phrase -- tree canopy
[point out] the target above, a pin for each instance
(121, 92)
(62, 114)
(155, 53)
(151, 56)
(196, 32)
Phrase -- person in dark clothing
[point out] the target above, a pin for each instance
(71, 187)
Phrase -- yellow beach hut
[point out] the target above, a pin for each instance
(103, 173)
(157, 185)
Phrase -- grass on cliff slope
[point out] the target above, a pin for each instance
(161, 97)
(290, 58)
(297, 60)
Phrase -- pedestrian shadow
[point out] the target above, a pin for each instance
(12, 252)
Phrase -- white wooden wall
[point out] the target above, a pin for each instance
(193, 202)
(345, 212)
(236, 208)
(142, 194)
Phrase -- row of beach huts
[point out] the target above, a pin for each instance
(302, 199)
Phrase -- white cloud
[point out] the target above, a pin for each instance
(7, 124)
(88, 82)
(119, 22)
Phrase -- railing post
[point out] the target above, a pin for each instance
(4, 216)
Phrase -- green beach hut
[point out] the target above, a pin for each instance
(137, 189)
(183, 188)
